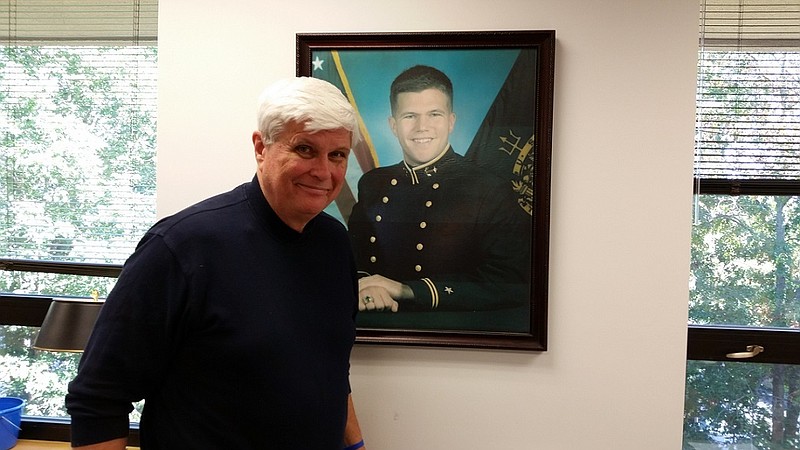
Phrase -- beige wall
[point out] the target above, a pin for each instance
(622, 156)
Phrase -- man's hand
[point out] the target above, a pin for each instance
(376, 298)
(377, 292)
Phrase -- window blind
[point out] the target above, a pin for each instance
(76, 22)
(748, 95)
(77, 129)
(753, 24)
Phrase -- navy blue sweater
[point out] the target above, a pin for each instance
(234, 328)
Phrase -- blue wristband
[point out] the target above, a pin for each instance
(358, 444)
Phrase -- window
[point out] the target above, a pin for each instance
(745, 267)
(77, 158)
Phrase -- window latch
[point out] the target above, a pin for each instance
(752, 350)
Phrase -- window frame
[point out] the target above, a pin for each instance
(713, 342)
(53, 22)
(30, 311)
(745, 25)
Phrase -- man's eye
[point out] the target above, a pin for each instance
(304, 150)
(338, 156)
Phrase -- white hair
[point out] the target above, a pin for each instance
(316, 103)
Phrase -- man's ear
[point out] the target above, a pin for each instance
(393, 125)
(258, 145)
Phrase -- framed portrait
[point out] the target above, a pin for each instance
(447, 194)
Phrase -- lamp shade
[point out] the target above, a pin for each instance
(67, 325)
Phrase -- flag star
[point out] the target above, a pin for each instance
(448, 289)
(317, 63)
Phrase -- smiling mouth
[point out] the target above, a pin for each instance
(422, 140)
(317, 189)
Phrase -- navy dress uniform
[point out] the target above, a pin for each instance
(449, 230)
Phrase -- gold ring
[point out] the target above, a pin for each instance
(367, 300)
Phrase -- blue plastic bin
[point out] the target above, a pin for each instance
(10, 421)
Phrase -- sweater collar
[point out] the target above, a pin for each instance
(269, 218)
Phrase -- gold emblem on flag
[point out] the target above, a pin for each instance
(522, 171)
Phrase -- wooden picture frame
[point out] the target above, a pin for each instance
(502, 100)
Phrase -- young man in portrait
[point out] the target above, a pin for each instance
(436, 232)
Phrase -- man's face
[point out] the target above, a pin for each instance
(422, 123)
(301, 173)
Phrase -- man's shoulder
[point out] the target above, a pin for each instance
(468, 172)
(204, 211)
(380, 175)
(384, 171)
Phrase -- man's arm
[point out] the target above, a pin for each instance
(134, 323)
(115, 444)
(352, 431)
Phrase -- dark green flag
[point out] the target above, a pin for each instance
(504, 143)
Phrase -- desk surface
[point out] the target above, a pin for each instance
(26, 444)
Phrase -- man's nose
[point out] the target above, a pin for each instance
(320, 167)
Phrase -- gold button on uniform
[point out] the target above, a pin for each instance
(418, 268)
(419, 246)
(423, 224)
(428, 204)
(394, 181)
(378, 218)
(385, 199)
(373, 239)
(372, 259)
(436, 185)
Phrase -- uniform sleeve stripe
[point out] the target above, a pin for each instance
(434, 293)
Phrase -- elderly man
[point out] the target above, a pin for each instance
(234, 318)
